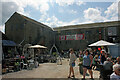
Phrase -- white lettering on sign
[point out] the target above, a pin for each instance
(72, 37)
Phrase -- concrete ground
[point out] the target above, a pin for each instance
(49, 70)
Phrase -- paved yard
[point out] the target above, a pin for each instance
(49, 70)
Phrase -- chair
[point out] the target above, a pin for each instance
(25, 66)
(31, 64)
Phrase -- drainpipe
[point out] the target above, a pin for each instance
(104, 33)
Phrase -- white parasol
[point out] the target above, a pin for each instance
(37, 46)
(102, 43)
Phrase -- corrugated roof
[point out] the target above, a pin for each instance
(31, 20)
(92, 25)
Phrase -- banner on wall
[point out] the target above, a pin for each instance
(72, 37)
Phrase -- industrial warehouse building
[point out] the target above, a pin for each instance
(24, 30)
(80, 36)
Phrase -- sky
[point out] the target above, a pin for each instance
(57, 13)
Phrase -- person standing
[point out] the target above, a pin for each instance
(87, 64)
(62, 54)
(81, 62)
(102, 57)
(72, 62)
(95, 62)
(118, 60)
(80, 54)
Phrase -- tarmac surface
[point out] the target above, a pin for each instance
(49, 70)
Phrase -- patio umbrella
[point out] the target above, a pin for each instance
(37, 46)
(101, 43)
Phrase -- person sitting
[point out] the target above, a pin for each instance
(107, 65)
(116, 74)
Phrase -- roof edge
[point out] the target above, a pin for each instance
(84, 25)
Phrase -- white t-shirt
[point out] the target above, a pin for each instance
(72, 58)
(113, 76)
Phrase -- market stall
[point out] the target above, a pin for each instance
(8, 56)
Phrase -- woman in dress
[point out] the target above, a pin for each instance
(72, 62)
(87, 64)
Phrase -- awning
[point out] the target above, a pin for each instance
(8, 43)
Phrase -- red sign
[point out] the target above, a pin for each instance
(72, 37)
(62, 37)
(79, 36)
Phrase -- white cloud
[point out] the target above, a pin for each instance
(79, 2)
(69, 2)
(55, 22)
(112, 11)
(11, 6)
(8, 8)
(41, 5)
(19, 6)
(64, 2)
(61, 10)
(48, 19)
(73, 11)
(44, 17)
(44, 7)
(93, 14)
